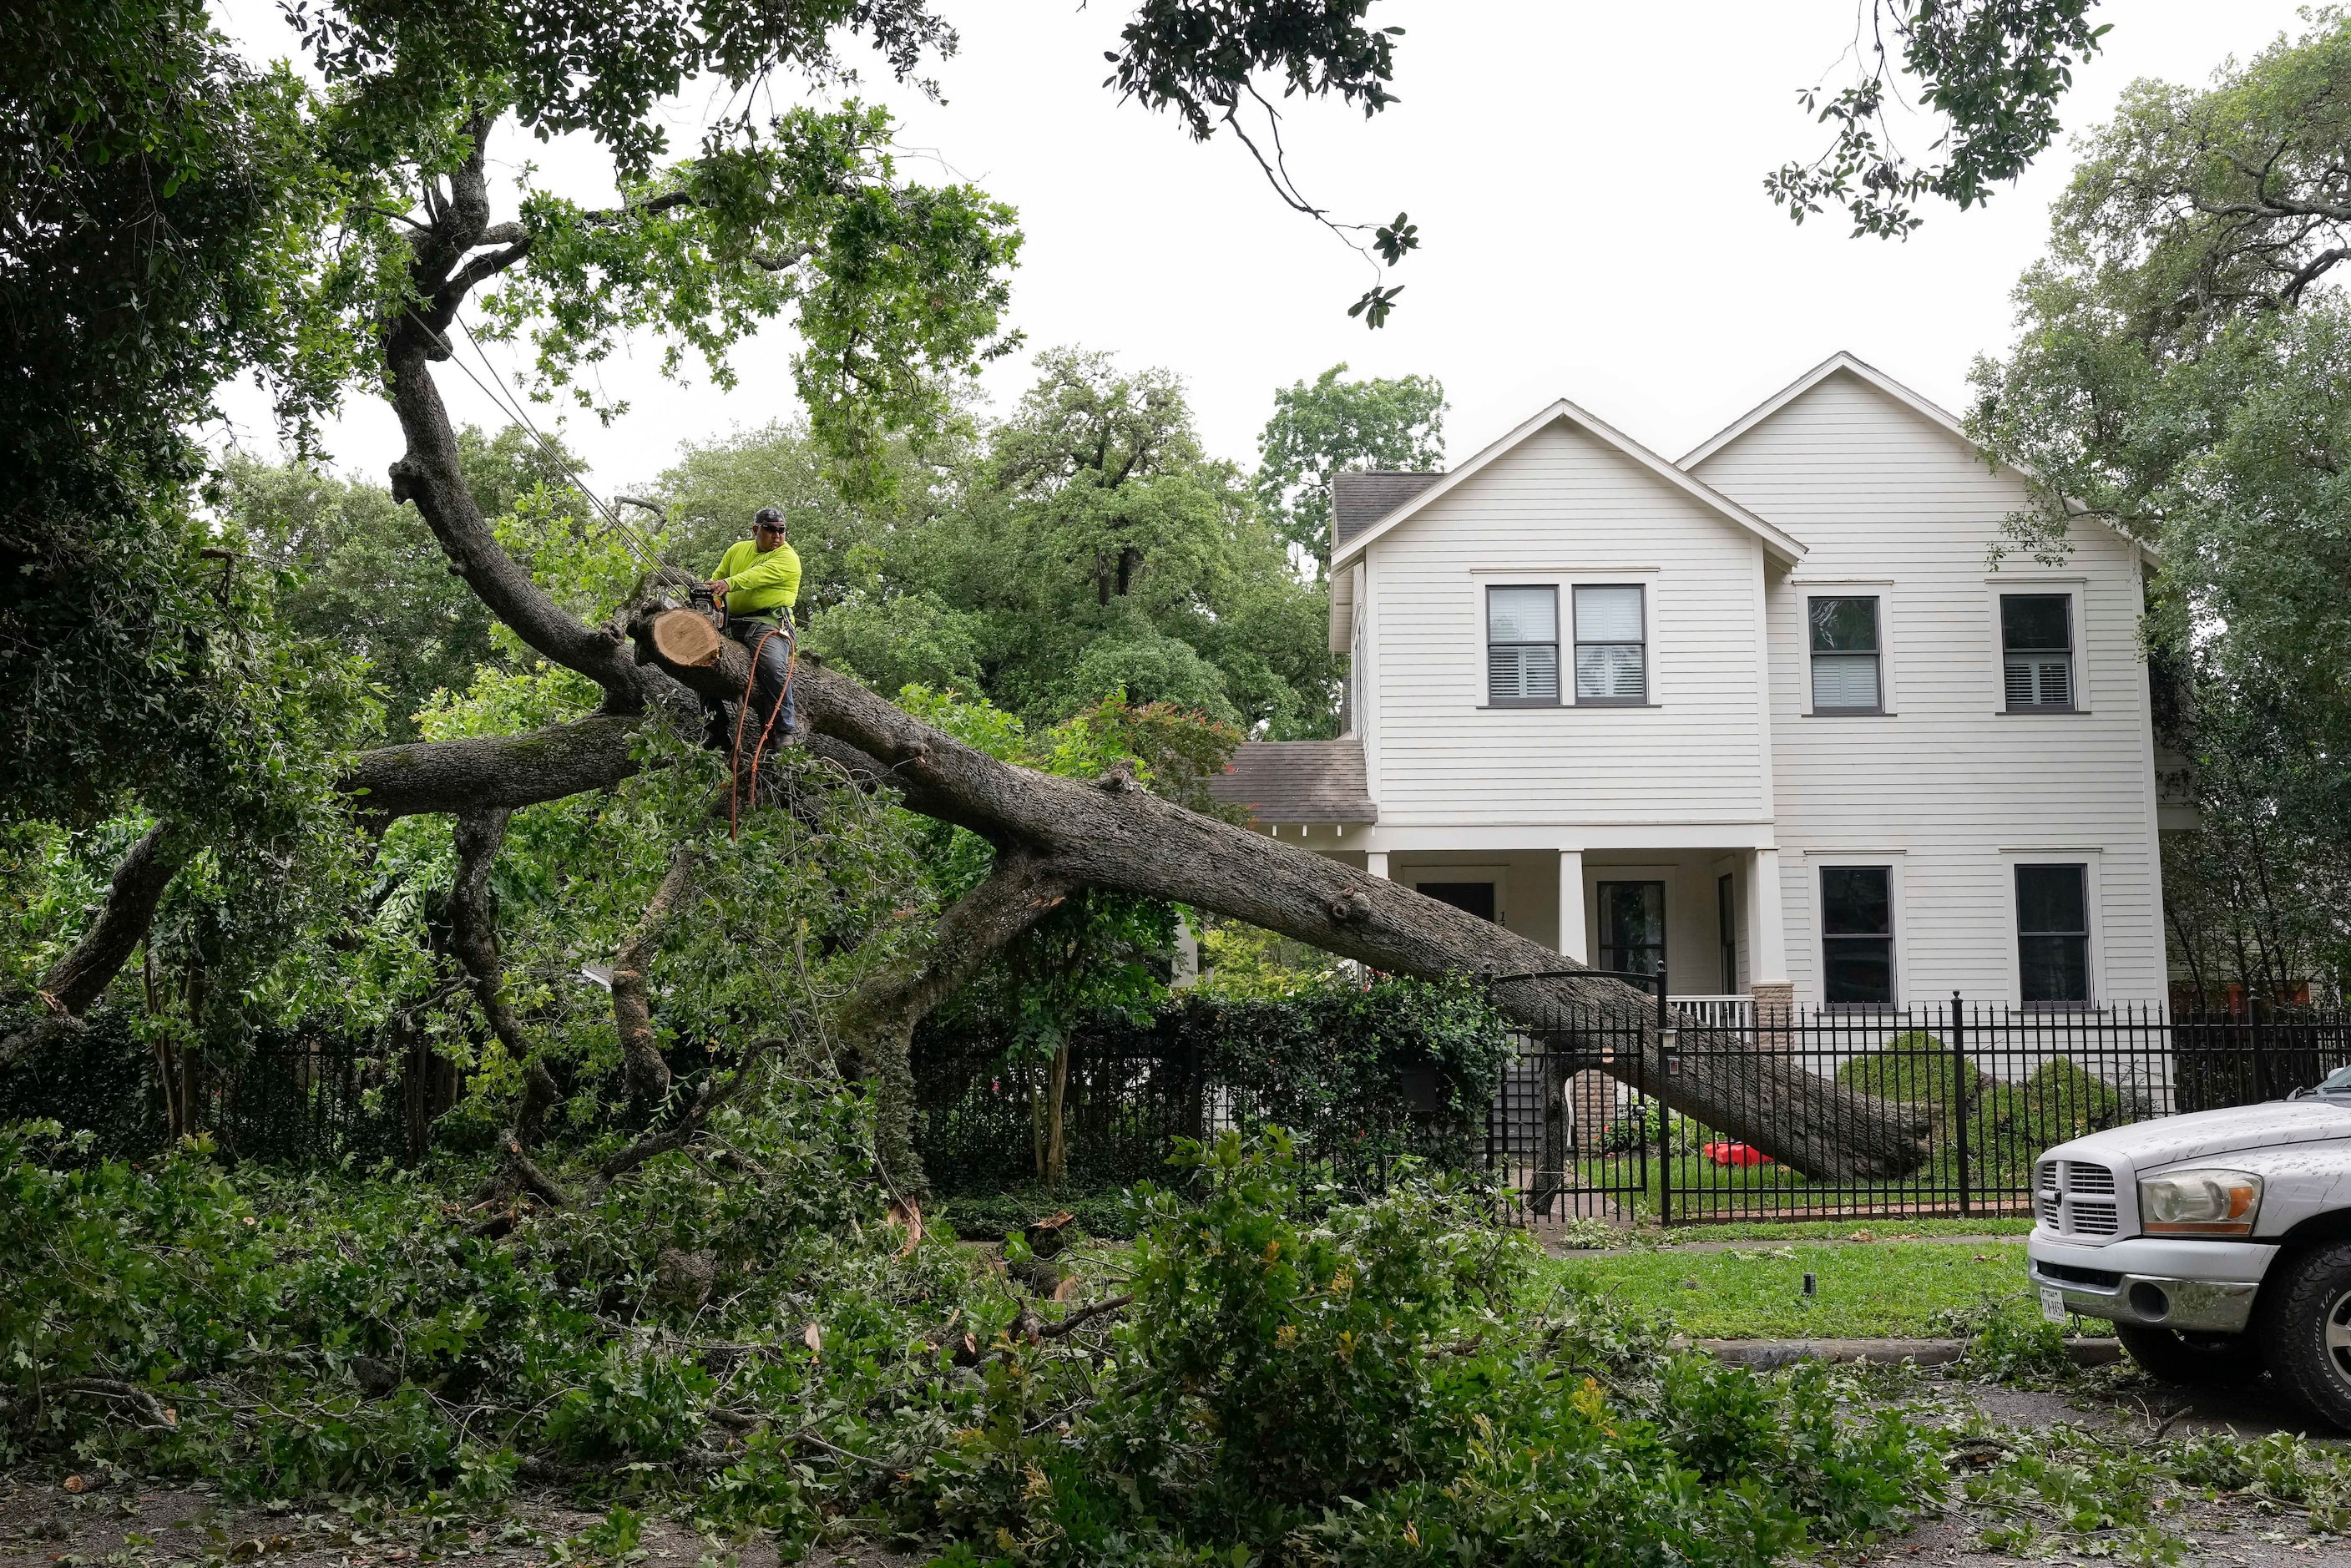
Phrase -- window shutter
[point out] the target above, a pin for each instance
(1522, 672)
(2040, 680)
(2020, 682)
(2055, 682)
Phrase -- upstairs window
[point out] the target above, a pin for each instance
(2053, 935)
(1611, 661)
(1844, 656)
(1857, 935)
(2036, 637)
(1522, 647)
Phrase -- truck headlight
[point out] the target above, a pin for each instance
(2200, 1203)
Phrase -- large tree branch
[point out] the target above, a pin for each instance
(428, 472)
(80, 977)
(646, 1074)
(879, 1020)
(1112, 834)
(504, 770)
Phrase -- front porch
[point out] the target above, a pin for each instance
(1709, 914)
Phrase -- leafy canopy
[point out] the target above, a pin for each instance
(1318, 431)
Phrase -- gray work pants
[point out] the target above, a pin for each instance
(770, 686)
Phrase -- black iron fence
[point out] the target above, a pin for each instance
(1879, 1114)
(1935, 1110)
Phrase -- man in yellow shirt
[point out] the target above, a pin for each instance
(758, 579)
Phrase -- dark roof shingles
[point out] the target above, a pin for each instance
(1299, 782)
(1361, 498)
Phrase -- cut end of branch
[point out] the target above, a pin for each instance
(686, 637)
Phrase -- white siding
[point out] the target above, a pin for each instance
(1563, 507)
(1949, 783)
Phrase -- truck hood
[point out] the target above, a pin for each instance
(2204, 1134)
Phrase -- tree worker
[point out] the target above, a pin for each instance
(758, 580)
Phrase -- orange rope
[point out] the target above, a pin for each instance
(743, 712)
(791, 663)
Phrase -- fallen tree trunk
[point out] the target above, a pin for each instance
(1112, 834)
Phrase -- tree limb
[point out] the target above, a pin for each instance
(647, 1075)
(879, 1020)
(80, 976)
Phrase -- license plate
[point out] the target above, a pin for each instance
(2053, 1305)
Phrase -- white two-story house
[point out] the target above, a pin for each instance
(1777, 717)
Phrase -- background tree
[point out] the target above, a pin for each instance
(2179, 374)
(366, 575)
(1332, 425)
(1085, 546)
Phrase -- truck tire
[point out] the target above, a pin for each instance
(2197, 1360)
(2304, 1320)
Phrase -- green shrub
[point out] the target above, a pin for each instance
(1915, 1067)
(1382, 1384)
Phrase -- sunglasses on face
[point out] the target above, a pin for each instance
(768, 528)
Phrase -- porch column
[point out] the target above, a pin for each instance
(1573, 942)
(1773, 993)
(1375, 862)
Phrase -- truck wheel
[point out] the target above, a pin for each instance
(2305, 1319)
(2199, 1359)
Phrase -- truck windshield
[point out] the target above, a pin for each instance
(2336, 1082)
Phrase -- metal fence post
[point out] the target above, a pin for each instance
(1960, 1096)
(1665, 1113)
(2261, 1058)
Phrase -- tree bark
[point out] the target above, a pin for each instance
(507, 772)
(76, 981)
(646, 1074)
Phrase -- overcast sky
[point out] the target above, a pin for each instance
(1587, 180)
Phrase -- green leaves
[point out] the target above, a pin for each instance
(1992, 70)
(893, 286)
(1320, 431)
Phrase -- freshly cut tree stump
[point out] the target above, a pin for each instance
(686, 637)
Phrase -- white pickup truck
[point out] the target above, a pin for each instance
(2218, 1242)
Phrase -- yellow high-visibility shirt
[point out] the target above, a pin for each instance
(756, 582)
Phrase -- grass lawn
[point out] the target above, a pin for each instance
(1890, 1290)
(1838, 1230)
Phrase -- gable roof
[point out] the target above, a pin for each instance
(1775, 539)
(1299, 782)
(1363, 496)
(1870, 375)
(1933, 413)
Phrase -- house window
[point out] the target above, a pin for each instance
(2036, 639)
(1633, 926)
(1726, 917)
(1856, 935)
(1610, 658)
(1844, 656)
(2053, 935)
(1470, 897)
(1522, 647)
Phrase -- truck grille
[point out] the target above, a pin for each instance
(2076, 1198)
(2093, 1219)
(2084, 1177)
